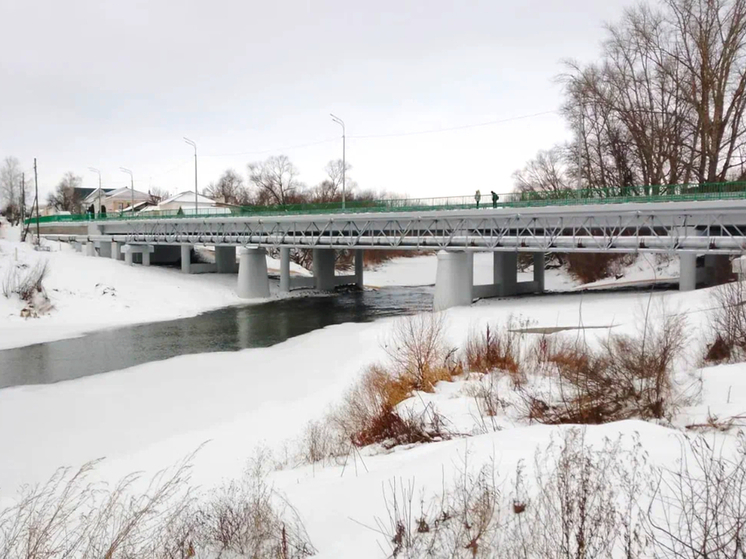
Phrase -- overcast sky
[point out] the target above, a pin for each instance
(112, 83)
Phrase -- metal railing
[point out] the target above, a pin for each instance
(620, 195)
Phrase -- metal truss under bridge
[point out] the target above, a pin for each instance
(717, 227)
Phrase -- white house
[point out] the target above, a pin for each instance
(185, 203)
(114, 200)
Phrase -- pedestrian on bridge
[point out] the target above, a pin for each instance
(495, 198)
(478, 197)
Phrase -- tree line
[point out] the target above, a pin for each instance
(663, 104)
(273, 181)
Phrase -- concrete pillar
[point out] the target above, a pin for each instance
(284, 269)
(253, 281)
(225, 260)
(323, 269)
(186, 258)
(104, 249)
(116, 250)
(688, 273)
(128, 257)
(90, 249)
(453, 287)
(717, 269)
(359, 262)
(505, 272)
(539, 271)
(470, 269)
(77, 246)
(146, 257)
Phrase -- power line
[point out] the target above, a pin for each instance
(259, 152)
(450, 129)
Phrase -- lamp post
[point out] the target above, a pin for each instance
(132, 189)
(94, 170)
(344, 163)
(196, 203)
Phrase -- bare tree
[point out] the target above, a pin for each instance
(275, 180)
(10, 188)
(229, 189)
(664, 104)
(545, 173)
(65, 197)
(158, 194)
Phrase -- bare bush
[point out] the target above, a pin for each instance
(72, 517)
(26, 282)
(497, 348)
(699, 509)
(589, 267)
(626, 377)
(728, 324)
(580, 504)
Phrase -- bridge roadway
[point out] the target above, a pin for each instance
(714, 229)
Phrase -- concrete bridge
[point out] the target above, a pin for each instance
(712, 229)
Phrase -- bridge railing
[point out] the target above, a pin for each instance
(567, 197)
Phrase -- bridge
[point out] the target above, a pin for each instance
(708, 223)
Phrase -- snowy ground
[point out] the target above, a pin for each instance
(150, 416)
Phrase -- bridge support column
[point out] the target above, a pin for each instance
(505, 273)
(186, 258)
(253, 281)
(284, 269)
(104, 249)
(323, 269)
(90, 249)
(688, 271)
(146, 256)
(225, 260)
(717, 269)
(359, 262)
(539, 271)
(128, 257)
(116, 250)
(453, 286)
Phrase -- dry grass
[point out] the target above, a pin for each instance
(590, 267)
(25, 281)
(626, 377)
(417, 360)
(496, 348)
(728, 325)
(71, 517)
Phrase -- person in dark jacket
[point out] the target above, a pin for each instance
(478, 197)
(495, 198)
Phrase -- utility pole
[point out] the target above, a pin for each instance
(196, 202)
(23, 198)
(36, 199)
(94, 170)
(344, 163)
(132, 189)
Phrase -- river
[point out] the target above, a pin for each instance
(228, 329)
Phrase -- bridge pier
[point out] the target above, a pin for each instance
(505, 273)
(104, 249)
(539, 265)
(225, 259)
(453, 283)
(253, 281)
(284, 269)
(323, 269)
(186, 258)
(359, 265)
(90, 249)
(116, 250)
(688, 271)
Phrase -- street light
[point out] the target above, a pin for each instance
(344, 164)
(132, 189)
(191, 143)
(94, 170)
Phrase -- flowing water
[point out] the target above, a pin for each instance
(228, 329)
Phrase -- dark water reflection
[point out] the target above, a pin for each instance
(229, 329)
